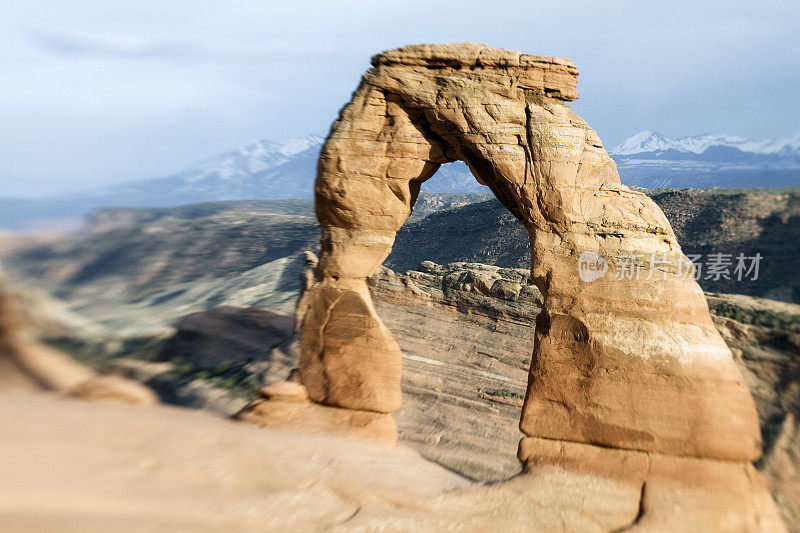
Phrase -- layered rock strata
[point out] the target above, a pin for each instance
(626, 360)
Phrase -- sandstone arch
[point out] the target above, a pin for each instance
(649, 341)
(629, 378)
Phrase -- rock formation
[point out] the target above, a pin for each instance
(285, 405)
(31, 365)
(630, 385)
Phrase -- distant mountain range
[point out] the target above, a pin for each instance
(649, 159)
(260, 170)
(707, 147)
(283, 170)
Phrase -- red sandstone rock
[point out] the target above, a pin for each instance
(624, 366)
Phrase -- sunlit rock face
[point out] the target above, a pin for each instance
(629, 378)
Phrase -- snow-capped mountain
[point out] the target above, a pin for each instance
(644, 141)
(653, 143)
(272, 170)
(261, 170)
(255, 157)
(652, 160)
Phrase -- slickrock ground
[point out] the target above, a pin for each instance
(78, 466)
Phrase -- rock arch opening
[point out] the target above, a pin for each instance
(504, 114)
(629, 378)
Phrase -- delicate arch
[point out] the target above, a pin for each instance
(634, 364)
(631, 392)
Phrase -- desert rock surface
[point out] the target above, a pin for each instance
(77, 466)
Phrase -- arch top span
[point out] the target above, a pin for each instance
(500, 112)
(551, 76)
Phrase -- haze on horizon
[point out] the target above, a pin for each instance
(96, 93)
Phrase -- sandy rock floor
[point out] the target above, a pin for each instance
(68, 465)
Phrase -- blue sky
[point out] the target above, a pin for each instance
(99, 92)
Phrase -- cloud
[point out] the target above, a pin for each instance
(114, 44)
(127, 45)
